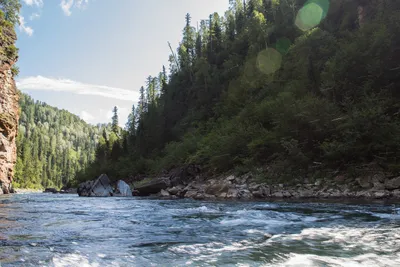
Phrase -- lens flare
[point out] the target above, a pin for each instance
(283, 45)
(269, 61)
(311, 14)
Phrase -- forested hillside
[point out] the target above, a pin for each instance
(288, 89)
(52, 145)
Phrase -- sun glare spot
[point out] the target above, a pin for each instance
(311, 14)
(269, 61)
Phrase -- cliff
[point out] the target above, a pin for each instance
(9, 113)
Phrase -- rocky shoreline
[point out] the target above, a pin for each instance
(189, 185)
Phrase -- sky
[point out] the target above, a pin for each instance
(87, 56)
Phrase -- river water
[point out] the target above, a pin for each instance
(65, 230)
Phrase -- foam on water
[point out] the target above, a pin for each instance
(202, 209)
(73, 260)
(365, 260)
(65, 230)
(383, 240)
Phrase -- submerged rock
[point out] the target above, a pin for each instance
(123, 189)
(98, 188)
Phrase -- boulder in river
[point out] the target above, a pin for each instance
(123, 189)
(153, 187)
(98, 188)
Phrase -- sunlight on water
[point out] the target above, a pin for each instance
(73, 260)
(269, 61)
(311, 14)
(64, 230)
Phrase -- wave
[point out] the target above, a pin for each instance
(365, 260)
(73, 260)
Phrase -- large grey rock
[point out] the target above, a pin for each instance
(153, 187)
(381, 194)
(123, 189)
(364, 182)
(262, 192)
(278, 194)
(306, 193)
(393, 184)
(396, 194)
(164, 193)
(245, 194)
(218, 187)
(191, 194)
(175, 190)
(99, 188)
(259, 194)
(232, 193)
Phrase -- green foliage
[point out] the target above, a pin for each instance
(8, 51)
(53, 145)
(15, 70)
(11, 51)
(10, 9)
(254, 92)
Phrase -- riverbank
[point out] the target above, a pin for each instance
(189, 184)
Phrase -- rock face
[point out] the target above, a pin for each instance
(8, 117)
(98, 188)
(123, 189)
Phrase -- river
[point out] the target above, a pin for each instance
(65, 230)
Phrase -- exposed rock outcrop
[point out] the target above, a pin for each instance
(9, 113)
(245, 187)
(99, 188)
(123, 189)
(153, 187)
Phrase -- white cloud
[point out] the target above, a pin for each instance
(67, 5)
(23, 27)
(65, 85)
(38, 3)
(34, 16)
(86, 116)
(81, 3)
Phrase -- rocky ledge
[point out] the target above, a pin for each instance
(188, 185)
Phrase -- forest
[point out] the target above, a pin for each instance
(53, 145)
(284, 89)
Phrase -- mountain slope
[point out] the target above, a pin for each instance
(288, 89)
(53, 145)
